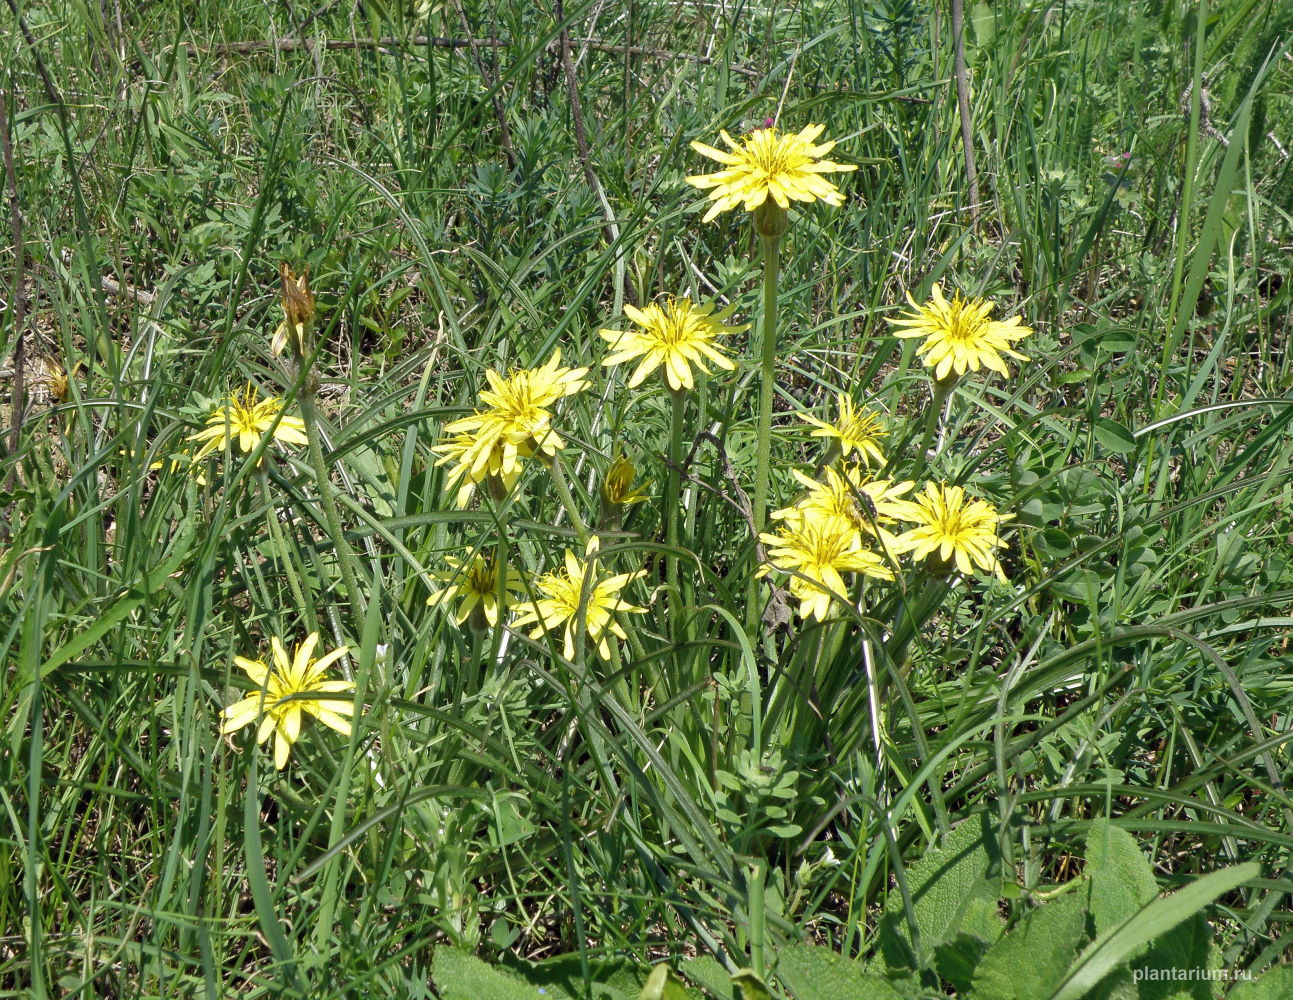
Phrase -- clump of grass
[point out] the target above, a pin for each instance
(710, 655)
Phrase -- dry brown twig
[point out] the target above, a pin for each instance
(438, 42)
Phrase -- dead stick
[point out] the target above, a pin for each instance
(963, 104)
(436, 42)
(504, 133)
(18, 398)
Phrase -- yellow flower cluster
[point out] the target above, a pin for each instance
(767, 163)
(959, 337)
(515, 423)
(483, 596)
(578, 596)
(561, 601)
(849, 523)
(830, 530)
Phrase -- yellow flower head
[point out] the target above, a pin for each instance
(951, 527)
(278, 702)
(246, 420)
(618, 489)
(870, 505)
(854, 430)
(564, 589)
(676, 335)
(298, 309)
(514, 424)
(818, 550)
(477, 585)
(765, 164)
(59, 381)
(454, 451)
(959, 337)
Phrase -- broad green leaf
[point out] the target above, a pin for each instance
(1032, 959)
(662, 984)
(460, 976)
(811, 972)
(1275, 984)
(562, 977)
(705, 972)
(1119, 985)
(956, 960)
(1118, 944)
(1122, 880)
(948, 887)
(1113, 436)
(1187, 946)
(751, 986)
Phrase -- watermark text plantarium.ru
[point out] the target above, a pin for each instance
(1190, 975)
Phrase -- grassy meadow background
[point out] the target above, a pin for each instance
(472, 207)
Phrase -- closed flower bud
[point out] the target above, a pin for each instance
(298, 310)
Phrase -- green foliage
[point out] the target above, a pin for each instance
(1030, 961)
(1272, 985)
(810, 972)
(875, 782)
(953, 891)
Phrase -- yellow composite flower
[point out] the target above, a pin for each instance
(959, 337)
(767, 163)
(58, 380)
(453, 451)
(855, 431)
(246, 420)
(818, 550)
(677, 335)
(278, 702)
(870, 505)
(952, 528)
(558, 607)
(476, 585)
(514, 423)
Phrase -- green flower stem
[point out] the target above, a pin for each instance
(558, 470)
(757, 876)
(942, 389)
(502, 595)
(673, 495)
(767, 375)
(280, 546)
(345, 557)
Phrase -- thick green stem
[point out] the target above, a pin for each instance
(767, 375)
(345, 557)
(673, 495)
(757, 931)
(942, 389)
(558, 471)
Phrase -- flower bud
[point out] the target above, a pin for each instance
(298, 310)
(619, 491)
(770, 220)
